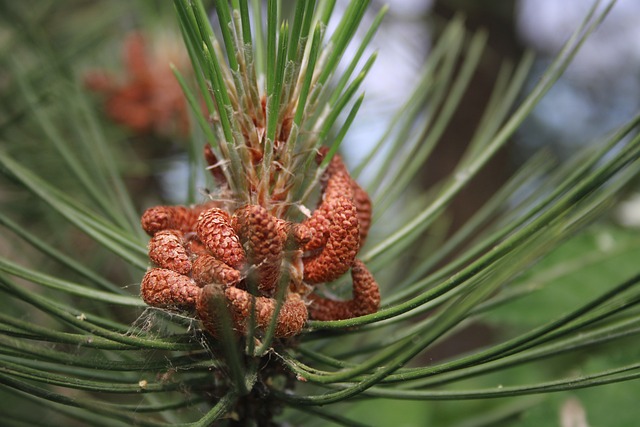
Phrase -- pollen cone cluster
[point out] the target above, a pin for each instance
(257, 268)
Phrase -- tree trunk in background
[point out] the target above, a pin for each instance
(497, 18)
